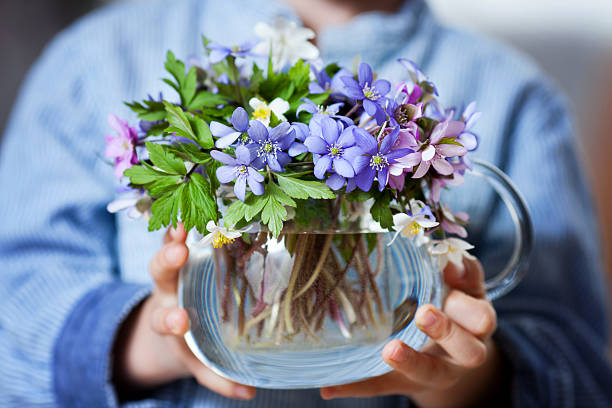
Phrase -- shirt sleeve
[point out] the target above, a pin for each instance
(553, 326)
(60, 297)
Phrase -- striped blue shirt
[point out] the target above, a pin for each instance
(71, 272)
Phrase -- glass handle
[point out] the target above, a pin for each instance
(516, 267)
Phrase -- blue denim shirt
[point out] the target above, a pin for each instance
(71, 271)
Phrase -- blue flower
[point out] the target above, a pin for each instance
(270, 144)
(219, 52)
(324, 83)
(301, 132)
(334, 151)
(311, 107)
(418, 77)
(240, 170)
(370, 92)
(376, 159)
(228, 135)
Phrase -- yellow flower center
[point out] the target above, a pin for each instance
(413, 228)
(262, 113)
(219, 240)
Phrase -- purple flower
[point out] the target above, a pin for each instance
(122, 147)
(310, 107)
(319, 112)
(270, 144)
(324, 83)
(404, 109)
(418, 77)
(435, 150)
(240, 170)
(227, 135)
(334, 151)
(377, 158)
(219, 52)
(301, 132)
(436, 111)
(456, 179)
(469, 116)
(370, 92)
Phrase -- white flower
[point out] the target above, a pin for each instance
(219, 235)
(262, 110)
(413, 223)
(136, 203)
(286, 42)
(451, 250)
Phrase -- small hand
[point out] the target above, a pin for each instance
(458, 364)
(150, 350)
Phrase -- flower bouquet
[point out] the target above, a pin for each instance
(299, 175)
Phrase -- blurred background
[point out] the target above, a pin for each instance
(570, 41)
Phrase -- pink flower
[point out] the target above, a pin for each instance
(408, 139)
(453, 222)
(122, 147)
(435, 151)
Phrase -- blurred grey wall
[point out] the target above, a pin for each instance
(27, 25)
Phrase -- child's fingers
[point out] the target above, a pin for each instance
(171, 321)
(165, 265)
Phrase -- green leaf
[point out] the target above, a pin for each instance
(172, 85)
(303, 189)
(202, 133)
(179, 121)
(318, 99)
(205, 99)
(198, 204)
(176, 68)
(450, 140)
(211, 172)
(255, 205)
(141, 175)
(188, 89)
(162, 210)
(358, 195)
(256, 79)
(165, 160)
(280, 196)
(381, 211)
(193, 128)
(332, 69)
(273, 215)
(299, 74)
(163, 185)
(205, 42)
(235, 212)
(148, 110)
(190, 152)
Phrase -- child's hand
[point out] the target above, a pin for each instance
(150, 349)
(458, 366)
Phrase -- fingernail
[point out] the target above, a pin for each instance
(173, 253)
(429, 320)
(328, 393)
(459, 271)
(399, 353)
(243, 392)
(172, 232)
(172, 321)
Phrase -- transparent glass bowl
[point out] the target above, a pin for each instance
(313, 309)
